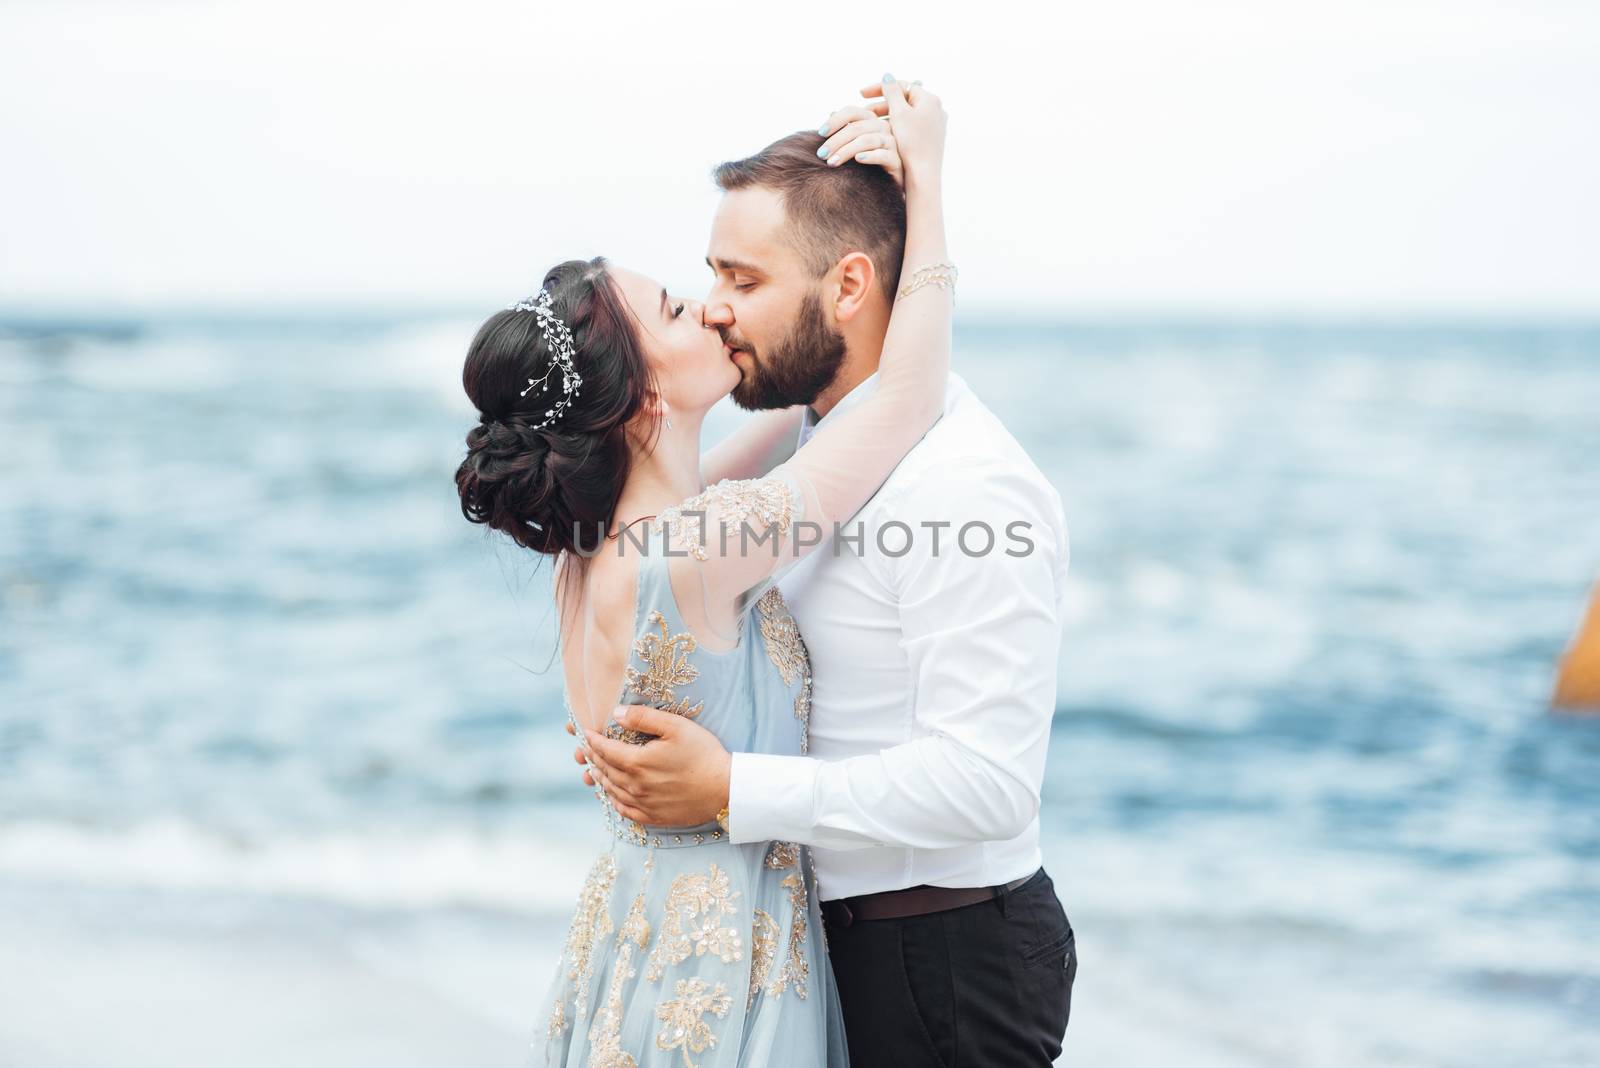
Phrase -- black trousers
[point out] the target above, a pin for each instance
(987, 984)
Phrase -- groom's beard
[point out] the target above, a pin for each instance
(797, 368)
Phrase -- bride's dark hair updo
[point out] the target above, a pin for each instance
(557, 487)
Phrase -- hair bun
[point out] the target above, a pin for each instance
(508, 439)
(504, 478)
(549, 485)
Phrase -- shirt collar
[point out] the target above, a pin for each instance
(809, 421)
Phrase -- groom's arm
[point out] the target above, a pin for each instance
(982, 635)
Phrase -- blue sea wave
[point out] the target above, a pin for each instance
(1302, 759)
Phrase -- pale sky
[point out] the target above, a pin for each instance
(1274, 157)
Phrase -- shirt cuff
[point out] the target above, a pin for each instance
(771, 798)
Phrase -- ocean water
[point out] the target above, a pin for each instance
(1305, 803)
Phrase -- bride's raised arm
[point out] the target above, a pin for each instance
(792, 510)
(761, 443)
(764, 441)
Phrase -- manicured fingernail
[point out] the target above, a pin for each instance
(823, 129)
(624, 714)
(834, 162)
(823, 151)
(887, 78)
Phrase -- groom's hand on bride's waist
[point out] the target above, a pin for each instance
(678, 778)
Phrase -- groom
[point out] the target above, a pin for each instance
(934, 668)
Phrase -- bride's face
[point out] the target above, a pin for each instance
(693, 370)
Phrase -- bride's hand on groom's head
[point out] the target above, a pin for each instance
(918, 120)
(861, 134)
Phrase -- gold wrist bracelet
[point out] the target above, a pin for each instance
(934, 274)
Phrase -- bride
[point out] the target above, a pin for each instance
(684, 948)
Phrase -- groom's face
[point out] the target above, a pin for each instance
(768, 305)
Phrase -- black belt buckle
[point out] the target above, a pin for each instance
(838, 913)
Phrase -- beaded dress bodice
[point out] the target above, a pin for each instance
(685, 948)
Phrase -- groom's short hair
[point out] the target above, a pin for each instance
(855, 207)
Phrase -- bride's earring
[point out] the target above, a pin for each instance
(668, 416)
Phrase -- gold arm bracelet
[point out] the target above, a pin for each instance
(934, 274)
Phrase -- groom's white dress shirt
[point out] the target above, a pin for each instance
(934, 671)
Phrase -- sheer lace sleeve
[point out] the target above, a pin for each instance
(733, 540)
(761, 443)
(747, 532)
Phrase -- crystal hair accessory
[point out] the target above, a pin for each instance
(558, 341)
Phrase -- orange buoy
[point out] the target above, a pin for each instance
(1578, 677)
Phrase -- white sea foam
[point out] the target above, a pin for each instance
(407, 868)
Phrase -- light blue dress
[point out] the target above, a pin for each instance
(684, 948)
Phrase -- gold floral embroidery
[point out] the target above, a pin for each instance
(795, 969)
(767, 501)
(635, 928)
(787, 651)
(605, 1034)
(784, 647)
(802, 712)
(695, 906)
(558, 1019)
(666, 659)
(630, 831)
(781, 855)
(763, 947)
(822, 929)
(590, 923)
(683, 1026)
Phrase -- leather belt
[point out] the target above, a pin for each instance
(914, 901)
